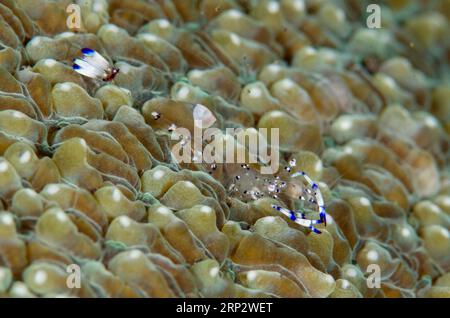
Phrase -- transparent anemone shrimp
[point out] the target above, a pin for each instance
(299, 186)
(250, 185)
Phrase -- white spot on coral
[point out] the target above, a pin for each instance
(40, 277)
(255, 92)
(405, 232)
(124, 221)
(83, 142)
(163, 24)
(195, 73)
(183, 93)
(251, 275)
(214, 271)
(98, 6)
(329, 219)
(277, 113)
(340, 16)
(235, 39)
(205, 209)
(345, 284)
(30, 192)
(163, 210)
(308, 51)
(3, 273)
(446, 201)
(125, 68)
(17, 114)
(66, 35)
(52, 189)
(25, 157)
(49, 62)
(329, 56)
(19, 289)
(3, 166)
(351, 272)
(274, 68)
(329, 278)
(431, 122)
(270, 219)
(434, 208)
(36, 41)
(372, 255)
(61, 216)
(364, 201)
(134, 254)
(65, 87)
(112, 28)
(234, 13)
(445, 233)
(389, 82)
(158, 174)
(348, 150)
(190, 184)
(203, 117)
(273, 7)
(345, 124)
(150, 37)
(116, 195)
(318, 166)
(287, 83)
(298, 5)
(6, 219)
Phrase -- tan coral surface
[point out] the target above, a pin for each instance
(87, 177)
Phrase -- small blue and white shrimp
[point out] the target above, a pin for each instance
(94, 65)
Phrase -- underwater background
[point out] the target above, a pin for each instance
(89, 187)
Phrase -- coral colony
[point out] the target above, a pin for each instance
(273, 148)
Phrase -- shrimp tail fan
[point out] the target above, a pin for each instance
(94, 58)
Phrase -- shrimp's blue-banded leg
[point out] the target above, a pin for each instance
(323, 215)
(303, 216)
(285, 211)
(299, 217)
(318, 195)
(302, 221)
(312, 228)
